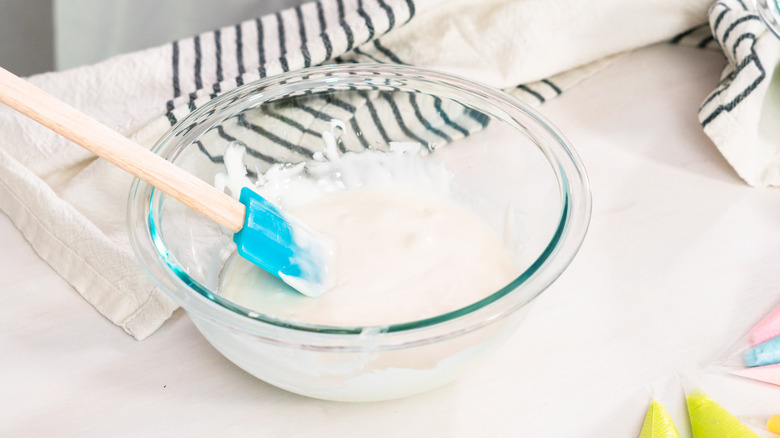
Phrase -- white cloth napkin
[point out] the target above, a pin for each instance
(72, 207)
(742, 115)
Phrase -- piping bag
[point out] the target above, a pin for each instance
(773, 424)
(264, 235)
(658, 423)
(757, 355)
(766, 329)
(710, 420)
(764, 340)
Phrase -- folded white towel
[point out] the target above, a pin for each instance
(72, 207)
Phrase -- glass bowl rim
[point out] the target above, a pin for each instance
(769, 14)
(558, 253)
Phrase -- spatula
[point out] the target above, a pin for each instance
(263, 234)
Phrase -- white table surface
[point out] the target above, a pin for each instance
(680, 260)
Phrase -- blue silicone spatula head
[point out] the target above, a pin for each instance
(282, 245)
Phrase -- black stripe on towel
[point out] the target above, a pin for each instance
(722, 86)
(318, 114)
(425, 122)
(358, 133)
(410, 4)
(743, 37)
(751, 59)
(302, 35)
(679, 37)
(282, 43)
(273, 137)
(333, 100)
(323, 31)
(191, 103)
(736, 23)
(480, 117)
(341, 60)
(345, 26)
(362, 53)
(367, 18)
(250, 151)
(220, 159)
(385, 51)
(196, 71)
(390, 14)
(532, 92)
(400, 121)
(240, 56)
(446, 118)
(703, 43)
(555, 88)
(375, 118)
(198, 61)
(260, 48)
(288, 121)
(218, 56)
(719, 19)
(175, 67)
(169, 113)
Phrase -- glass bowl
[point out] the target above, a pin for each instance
(511, 161)
(769, 12)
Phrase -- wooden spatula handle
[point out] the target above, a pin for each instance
(120, 151)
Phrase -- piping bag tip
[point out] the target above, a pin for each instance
(688, 384)
(658, 423)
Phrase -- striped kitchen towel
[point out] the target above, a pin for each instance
(742, 115)
(72, 207)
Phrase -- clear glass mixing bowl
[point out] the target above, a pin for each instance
(505, 155)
